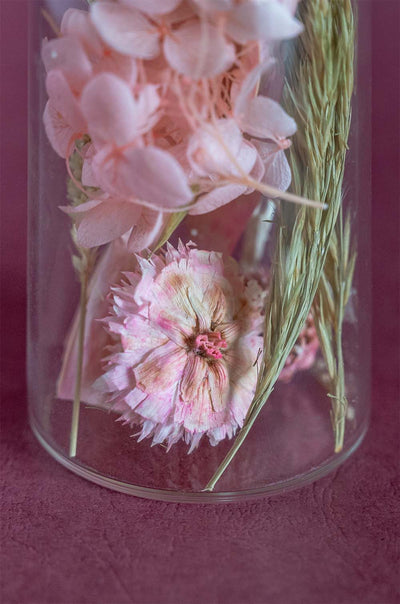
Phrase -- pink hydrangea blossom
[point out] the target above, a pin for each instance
(166, 93)
(189, 332)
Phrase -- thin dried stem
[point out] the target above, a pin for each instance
(78, 381)
(83, 264)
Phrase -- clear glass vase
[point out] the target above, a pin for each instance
(198, 264)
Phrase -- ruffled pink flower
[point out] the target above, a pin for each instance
(189, 333)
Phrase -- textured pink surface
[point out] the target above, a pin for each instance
(66, 541)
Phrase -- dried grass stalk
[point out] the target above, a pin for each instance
(83, 262)
(318, 94)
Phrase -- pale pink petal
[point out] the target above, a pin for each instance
(244, 91)
(126, 30)
(148, 271)
(139, 335)
(258, 170)
(67, 55)
(157, 409)
(246, 158)
(182, 13)
(199, 50)
(167, 431)
(63, 100)
(146, 104)
(172, 310)
(210, 150)
(104, 221)
(277, 170)
(265, 118)
(218, 197)
(241, 393)
(80, 210)
(203, 381)
(161, 369)
(207, 397)
(147, 230)
(134, 398)
(77, 23)
(153, 7)
(119, 376)
(262, 20)
(221, 195)
(149, 173)
(196, 370)
(109, 107)
(113, 62)
(218, 385)
(88, 177)
(58, 131)
(291, 5)
(211, 6)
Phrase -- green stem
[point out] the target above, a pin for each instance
(77, 394)
(239, 440)
(341, 402)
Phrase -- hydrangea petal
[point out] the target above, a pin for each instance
(214, 5)
(265, 118)
(67, 55)
(199, 50)
(77, 23)
(109, 107)
(63, 100)
(210, 150)
(88, 178)
(277, 170)
(243, 93)
(153, 7)
(105, 221)
(147, 230)
(221, 195)
(218, 197)
(266, 20)
(126, 30)
(145, 173)
(58, 131)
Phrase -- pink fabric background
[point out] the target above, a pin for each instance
(66, 541)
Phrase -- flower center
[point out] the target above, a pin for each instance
(210, 344)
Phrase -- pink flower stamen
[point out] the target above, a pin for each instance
(210, 344)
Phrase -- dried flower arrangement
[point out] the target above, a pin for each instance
(166, 112)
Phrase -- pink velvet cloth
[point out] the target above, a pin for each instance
(67, 541)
